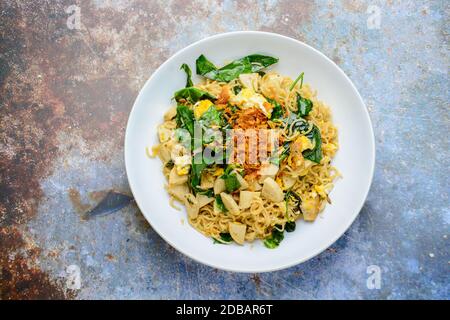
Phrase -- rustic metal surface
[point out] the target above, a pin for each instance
(65, 94)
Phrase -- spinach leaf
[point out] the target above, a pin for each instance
(231, 182)
(289, 226)
(185, 118)
(300, 77)
(237, 89)
(260, 62)
(212, 116)
(192, 95)
(296, 123)
(293, 201)
(207, 192)
(225, 238)
(220, 204)
(277, 111)
(204, 66)
(196, 173)
(274, 239)
(188, 71)
(284, 154)
(315, 155)
(304, 106)
(229, 168)
(248, 64)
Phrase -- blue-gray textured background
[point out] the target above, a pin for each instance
(65, 97)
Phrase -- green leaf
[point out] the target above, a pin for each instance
(225, 238)
(315, 155)
(293, 201)
(277, 111)
(212, 116)
(298, 124)
(188, 71)
(300, 77)
(304, 106)
(289, 226)
(231, 182)
(207, 192)
(185, 118)
(237, 89)
(204, 66)
(192, 95)
(274, 239)
(220, 204)
(284, 154)
(260, 62)
(248, 64)
(196, 173)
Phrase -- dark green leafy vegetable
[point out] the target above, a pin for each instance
(274, 239)
(225, 238)
(192, 95)
(230, 168)
(207, 192)
(220, 204)
(289, 226)
(196, 172)
(188, 71)
(237, 89)
(293, 202)
(296, 123)
(284, 154)
(212, 116)
(231, 182)
(315, 155)
(185, 119)
(277, 111)
(304, 106)
(248, 64)
(204, 66)
(260, 62)
(300, 77)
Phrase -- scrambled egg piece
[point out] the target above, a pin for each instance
(248, 98)
(320, 190)
(201, 107)
(218, 172)
(182, 170)
(302, 143)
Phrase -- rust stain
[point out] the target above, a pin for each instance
(97, 196)
(188, 8)
(292, 14)
(257, 280)
(77, 203)
(19, 279)
(354, 5)
(30, 118)
(110, 257)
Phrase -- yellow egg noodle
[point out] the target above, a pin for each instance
(242, 200)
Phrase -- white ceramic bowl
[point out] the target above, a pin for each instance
(355, 158)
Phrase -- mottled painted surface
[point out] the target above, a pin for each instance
(64, 100)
